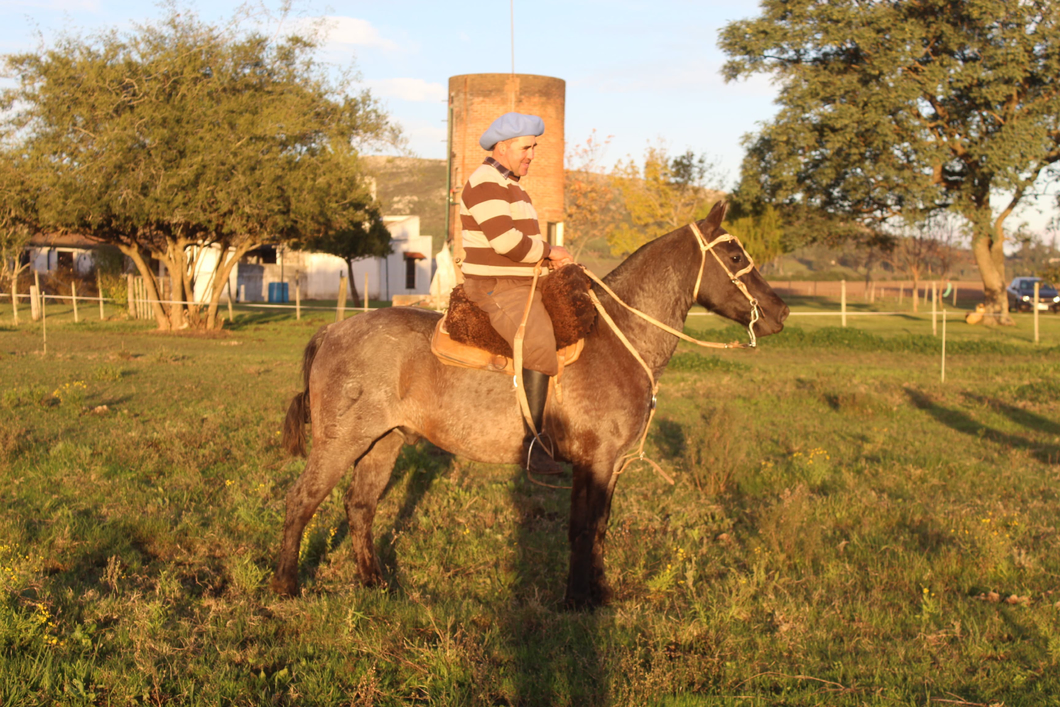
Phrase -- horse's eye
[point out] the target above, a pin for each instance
(736, 258)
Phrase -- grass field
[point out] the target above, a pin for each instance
(845, 530)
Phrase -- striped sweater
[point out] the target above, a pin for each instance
(500, 232)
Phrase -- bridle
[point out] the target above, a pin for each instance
(734, 277)
(704, 248)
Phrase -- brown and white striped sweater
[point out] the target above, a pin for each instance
(502, 237)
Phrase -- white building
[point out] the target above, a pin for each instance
(406, 271)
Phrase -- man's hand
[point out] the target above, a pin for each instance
(558, 257)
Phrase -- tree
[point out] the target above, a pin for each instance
(665, 194)
(895, 110)
(588, 195)
(181, 138)
(356, 240)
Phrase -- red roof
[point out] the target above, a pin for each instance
(67, 240)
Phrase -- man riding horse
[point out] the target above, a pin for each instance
(502, 243)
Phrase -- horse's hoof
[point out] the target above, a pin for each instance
(285, 587)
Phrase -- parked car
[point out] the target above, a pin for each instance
(1021, 295)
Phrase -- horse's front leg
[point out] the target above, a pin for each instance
(590, 508)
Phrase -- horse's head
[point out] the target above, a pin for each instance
(730, 284)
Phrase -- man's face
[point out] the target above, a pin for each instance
(516, 154)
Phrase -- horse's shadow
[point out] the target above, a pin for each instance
(556, 653)
(425, 463)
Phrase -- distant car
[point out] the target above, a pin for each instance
(1021, 295)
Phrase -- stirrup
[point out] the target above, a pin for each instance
(530, 452)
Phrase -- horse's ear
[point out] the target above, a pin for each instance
(717, 214)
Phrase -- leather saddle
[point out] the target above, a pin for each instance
(464, 337)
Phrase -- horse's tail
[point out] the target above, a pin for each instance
(294, 436)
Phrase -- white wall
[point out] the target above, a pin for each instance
(318, 273)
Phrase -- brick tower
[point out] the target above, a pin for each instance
(475, 101)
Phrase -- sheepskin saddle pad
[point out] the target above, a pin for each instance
(565, 294)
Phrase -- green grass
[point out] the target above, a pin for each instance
(845, 530)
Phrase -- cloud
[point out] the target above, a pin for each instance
(58, 5)
(407, 89)
(347, 30)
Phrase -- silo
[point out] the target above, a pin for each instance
(475, 101)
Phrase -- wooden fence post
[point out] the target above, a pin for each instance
(298, 299)
(934, 307)
(73, 298)
(14, 299)
(35, 298)
(943, 344)
(99, 288)
(340, 306)
(129, 302)
(364, 300)
(1037, 283)
(843, 300)
(901, 294)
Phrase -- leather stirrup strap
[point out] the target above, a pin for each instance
(517, 358)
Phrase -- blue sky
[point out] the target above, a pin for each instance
(639, 71)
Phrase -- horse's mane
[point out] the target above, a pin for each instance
(647, 262)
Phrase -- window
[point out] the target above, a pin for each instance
(64, 259)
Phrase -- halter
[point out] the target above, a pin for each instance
(734, 278)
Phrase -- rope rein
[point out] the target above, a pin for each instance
(704, 248)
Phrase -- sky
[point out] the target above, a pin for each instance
(640, 72)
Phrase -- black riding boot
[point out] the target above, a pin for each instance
(535, 458)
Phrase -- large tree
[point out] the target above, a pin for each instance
(181, 137)
(894, 110)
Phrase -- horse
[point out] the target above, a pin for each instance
(372, 385)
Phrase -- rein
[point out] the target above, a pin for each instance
(704, 248)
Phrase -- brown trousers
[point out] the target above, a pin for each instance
(504, 299)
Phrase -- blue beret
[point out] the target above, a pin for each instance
(511, 125)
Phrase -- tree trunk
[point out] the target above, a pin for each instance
(221, 275)
(990, 259)
(173, 259)
(187, 272)
(149, 284)
(353, 286)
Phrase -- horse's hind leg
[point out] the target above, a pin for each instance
(370, 478)
(328, 461)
